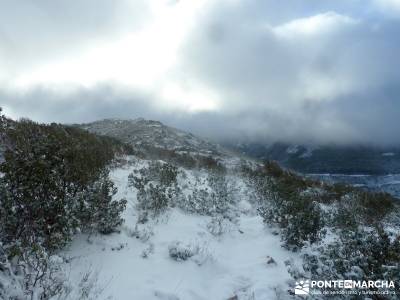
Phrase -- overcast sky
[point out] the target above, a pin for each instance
(301, 71)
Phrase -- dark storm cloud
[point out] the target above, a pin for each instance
(329, 84)
(360, 120)
(303, 71)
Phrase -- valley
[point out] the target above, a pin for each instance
(378, 183)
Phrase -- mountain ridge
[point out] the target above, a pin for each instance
(144, 133)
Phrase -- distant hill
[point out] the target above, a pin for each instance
(153, 136)
(154, 140)
(144, 134)
(326, 159)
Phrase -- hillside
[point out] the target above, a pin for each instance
(223, 236)
(121, 224)
(147, 134)
(371, 168)
(186, 253)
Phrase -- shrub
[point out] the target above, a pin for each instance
(198, 201)
(218, 225)
(344, 216)
(363, 254)
(35, 275)
(300, 220)
(99, 211)
(54, 182)
(182, 158)
(287, 202)
(209, 196)
(219, 196)
(39, 275)
(375, 205)
(294, 204)
(156, 186)
(51, 173)
(181, 252)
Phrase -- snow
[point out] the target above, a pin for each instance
(140, 268)
(307, 150)
(388, 154)
(292, 149)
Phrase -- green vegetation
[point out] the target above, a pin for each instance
(156, 185)
(51, 175)
(54, 183)
(360, 255)
(295, 211)
(181, 158)
(361, 248)
(295, 204)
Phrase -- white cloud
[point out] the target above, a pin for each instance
(138, 58)
(324, 23)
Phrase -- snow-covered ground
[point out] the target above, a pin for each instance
(135, 263)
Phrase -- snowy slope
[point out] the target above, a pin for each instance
(234, 264)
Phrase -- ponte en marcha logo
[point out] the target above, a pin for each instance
(345, 287)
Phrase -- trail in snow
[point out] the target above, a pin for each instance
(234, 264)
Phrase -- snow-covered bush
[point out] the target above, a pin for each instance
(34, 275)
(39, 275)
(296, 204)
(300, 220)
(364, 254)
(212, 197)
(4, 122)
(344, 216)
(197, 202)
(97, 209)
(180, 252)
(204, 255)
(54, 183)
(220, 197)
(156, 187)
(51, 173)
(219, 225)
(157, 171)
(197, 252)
(284, 203)
(209, 195)
(143, 232)
(148, 251)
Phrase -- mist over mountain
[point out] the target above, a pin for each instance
(333, 159)
(369, 167)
